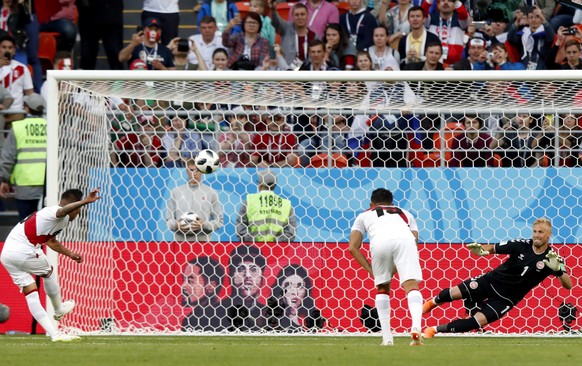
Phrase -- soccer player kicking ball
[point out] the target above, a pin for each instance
(22, 256)
(495, 293)
(393, 235)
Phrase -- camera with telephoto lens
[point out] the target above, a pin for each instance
(152, 58)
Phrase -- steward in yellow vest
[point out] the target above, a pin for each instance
(266, 216)
(23, 159)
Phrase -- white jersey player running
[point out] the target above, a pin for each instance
(393, 235)
(22, 256)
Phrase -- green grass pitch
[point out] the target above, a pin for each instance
(289, 350)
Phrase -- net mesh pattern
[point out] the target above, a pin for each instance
(328, 142)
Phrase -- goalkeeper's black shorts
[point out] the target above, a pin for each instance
(490, 302)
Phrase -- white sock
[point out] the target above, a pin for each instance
(53, 291)
(383, 308)
(415, 308)
(38, 312)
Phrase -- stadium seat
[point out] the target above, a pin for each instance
(343, 7)
(421, 159)
(243, 8)
(47, 48)
(284, 9)
(322, 160)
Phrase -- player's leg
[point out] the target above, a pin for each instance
(383, 308)
(408, 264)
(475, 291)
(448, 295)
(53, 291)
(20, 266)
(383, 269)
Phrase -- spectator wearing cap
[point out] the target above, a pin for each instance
(448, 21)
(23, 158)
(265, 216)
(276, 146)
(145, 46)
(224, 11)
(477, 59)
(167, 12)
(58, 16)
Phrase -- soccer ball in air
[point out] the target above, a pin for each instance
(189, 217)
(207, 161)
(4, 313)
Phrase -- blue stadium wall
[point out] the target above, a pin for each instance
(451, 205)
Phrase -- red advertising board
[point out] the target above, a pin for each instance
(139, 285)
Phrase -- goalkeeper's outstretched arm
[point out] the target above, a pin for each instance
(481, 249)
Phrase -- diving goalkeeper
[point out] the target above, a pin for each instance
(495, 293)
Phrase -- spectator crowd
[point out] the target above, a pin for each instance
(370, 35)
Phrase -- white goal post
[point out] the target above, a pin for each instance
(342, 135)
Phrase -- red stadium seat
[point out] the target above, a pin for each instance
(422, 159)
(243, 8)
(322, 161)
(47, 48)
(343, 7)
(284, 9)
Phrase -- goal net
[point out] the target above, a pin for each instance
(475, 156)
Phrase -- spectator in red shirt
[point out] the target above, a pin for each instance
(275, 148)
(471, 147)
(140, 149)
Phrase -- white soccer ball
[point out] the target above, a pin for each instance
(4, 313)
(207, 161)
(189, 217)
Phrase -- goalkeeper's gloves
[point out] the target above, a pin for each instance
(555, 263)
(477, 249)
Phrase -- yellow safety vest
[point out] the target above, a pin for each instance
(30, 167)
(267, 214)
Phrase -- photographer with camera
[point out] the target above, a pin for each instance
(565, 52)
(145, 45)
(534, 39)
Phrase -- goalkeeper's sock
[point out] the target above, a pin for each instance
(53, 290)
(38, 313)
(459, 326)
(443, 296)
(383, 308)
(415, 308)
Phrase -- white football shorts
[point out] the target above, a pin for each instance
(22, 265)
(399, 253)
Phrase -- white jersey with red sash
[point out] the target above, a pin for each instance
(34, 231)
(16, 78)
